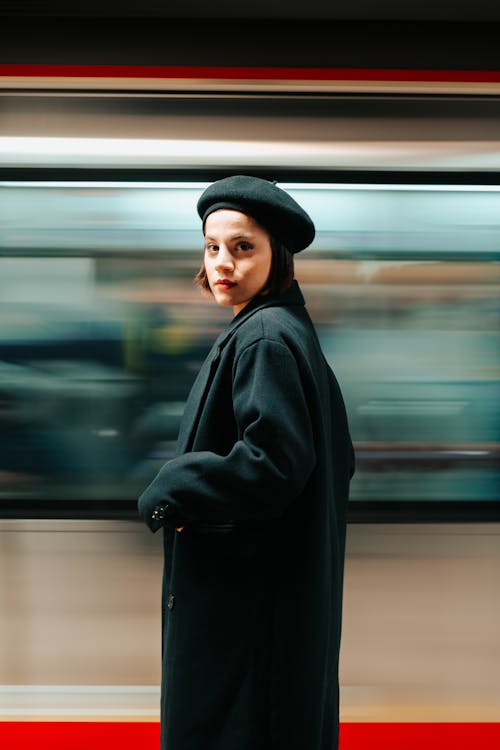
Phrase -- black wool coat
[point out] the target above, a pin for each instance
(253, 584)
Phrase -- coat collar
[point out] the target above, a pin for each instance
(291, 297)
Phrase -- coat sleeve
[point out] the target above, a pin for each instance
(269, 464)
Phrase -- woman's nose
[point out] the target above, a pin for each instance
(224, 259)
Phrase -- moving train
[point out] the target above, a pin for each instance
(102, 330)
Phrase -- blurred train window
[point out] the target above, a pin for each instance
(102, 332)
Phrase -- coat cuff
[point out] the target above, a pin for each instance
(158, 515)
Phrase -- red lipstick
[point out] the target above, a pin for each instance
(225, 283)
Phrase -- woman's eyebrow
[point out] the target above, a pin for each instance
(232, 238)
(242, 237)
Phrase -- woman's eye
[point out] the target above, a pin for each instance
(245, 246)
(211, 248)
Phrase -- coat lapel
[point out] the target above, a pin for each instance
(201, 385)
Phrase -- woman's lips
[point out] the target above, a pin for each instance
(225, 284)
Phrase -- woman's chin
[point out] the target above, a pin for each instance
(224, 301)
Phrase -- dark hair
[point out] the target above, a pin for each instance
(280, 276)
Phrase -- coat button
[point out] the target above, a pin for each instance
(159, 513)
(171, 601)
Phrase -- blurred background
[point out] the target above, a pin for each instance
(102, 331)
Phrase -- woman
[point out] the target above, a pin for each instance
(254, 503)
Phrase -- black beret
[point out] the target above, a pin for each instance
(268, 204)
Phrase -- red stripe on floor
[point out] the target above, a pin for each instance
(420, 736)
(69, 735)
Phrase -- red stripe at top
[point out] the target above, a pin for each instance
(249, 73)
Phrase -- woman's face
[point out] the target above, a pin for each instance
(237, 257)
